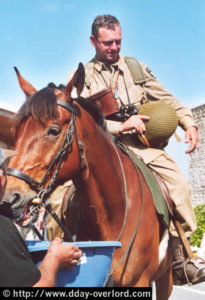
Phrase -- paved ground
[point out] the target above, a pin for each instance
(185, 292)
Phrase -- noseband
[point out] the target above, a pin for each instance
(67, 142)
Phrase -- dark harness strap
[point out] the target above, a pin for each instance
(67, 106)
(23, 176)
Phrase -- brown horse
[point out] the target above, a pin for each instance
(57, 138)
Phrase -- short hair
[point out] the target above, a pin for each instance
(104, 21)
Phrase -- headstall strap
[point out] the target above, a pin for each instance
(67, 106)
(23, 176)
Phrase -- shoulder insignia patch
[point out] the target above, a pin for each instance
(150, 72)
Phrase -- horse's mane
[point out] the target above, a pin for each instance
(41, 106)
(93, 110)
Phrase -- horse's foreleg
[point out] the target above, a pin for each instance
(143, 282)
(164, 285)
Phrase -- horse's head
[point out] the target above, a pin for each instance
(44, 138)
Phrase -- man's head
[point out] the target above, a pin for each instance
(106, 38)
(5, 154)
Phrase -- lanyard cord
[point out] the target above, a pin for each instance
(106, 84)
(126, 89)
(115, 87)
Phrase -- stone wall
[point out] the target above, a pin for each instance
(197, 160)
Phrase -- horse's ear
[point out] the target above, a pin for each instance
(27, 88)
(79, 79)
(76, 82)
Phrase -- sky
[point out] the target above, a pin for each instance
(45, 39)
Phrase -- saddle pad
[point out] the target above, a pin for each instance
(158, 198)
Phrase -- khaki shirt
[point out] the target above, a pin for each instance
(119, 78)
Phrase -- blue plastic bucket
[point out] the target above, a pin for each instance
(93, 268)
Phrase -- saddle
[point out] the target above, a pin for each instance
(165, 192)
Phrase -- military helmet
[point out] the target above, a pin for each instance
(161, 125)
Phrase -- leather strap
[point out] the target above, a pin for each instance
(183, 237)
(67, 106)
(135, 69)
(23, 176)
(98, 95)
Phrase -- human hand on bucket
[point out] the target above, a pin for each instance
(58, 256)
(192, 137)
(66, 255)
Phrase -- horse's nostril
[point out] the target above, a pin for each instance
(15, 197)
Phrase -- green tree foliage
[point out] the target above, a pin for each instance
(200, 217)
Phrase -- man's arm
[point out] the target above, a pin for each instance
(58, 256)
(154, 90)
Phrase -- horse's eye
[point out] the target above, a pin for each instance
(53, 131)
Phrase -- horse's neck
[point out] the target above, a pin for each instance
(103, 164)
(101, 185)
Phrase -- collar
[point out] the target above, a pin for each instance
(100, 66)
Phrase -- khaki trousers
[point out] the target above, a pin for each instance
(56, 199)
(179, 189)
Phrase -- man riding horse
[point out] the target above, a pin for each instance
(132, 89)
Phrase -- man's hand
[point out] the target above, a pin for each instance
(67, 255)
(192, 137)
(58, 256)
(134, 122)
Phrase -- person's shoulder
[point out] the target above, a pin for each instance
(7, 227)
(147, 71)
(136, 68)
(89, 64)
(6, 210)
(4, 220)
(133, 61)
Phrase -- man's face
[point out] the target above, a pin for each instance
(108, 44)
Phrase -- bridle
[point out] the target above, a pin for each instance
(67, 143)
(63, 151)
(44, 192)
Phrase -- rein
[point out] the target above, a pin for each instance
(121, 146)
